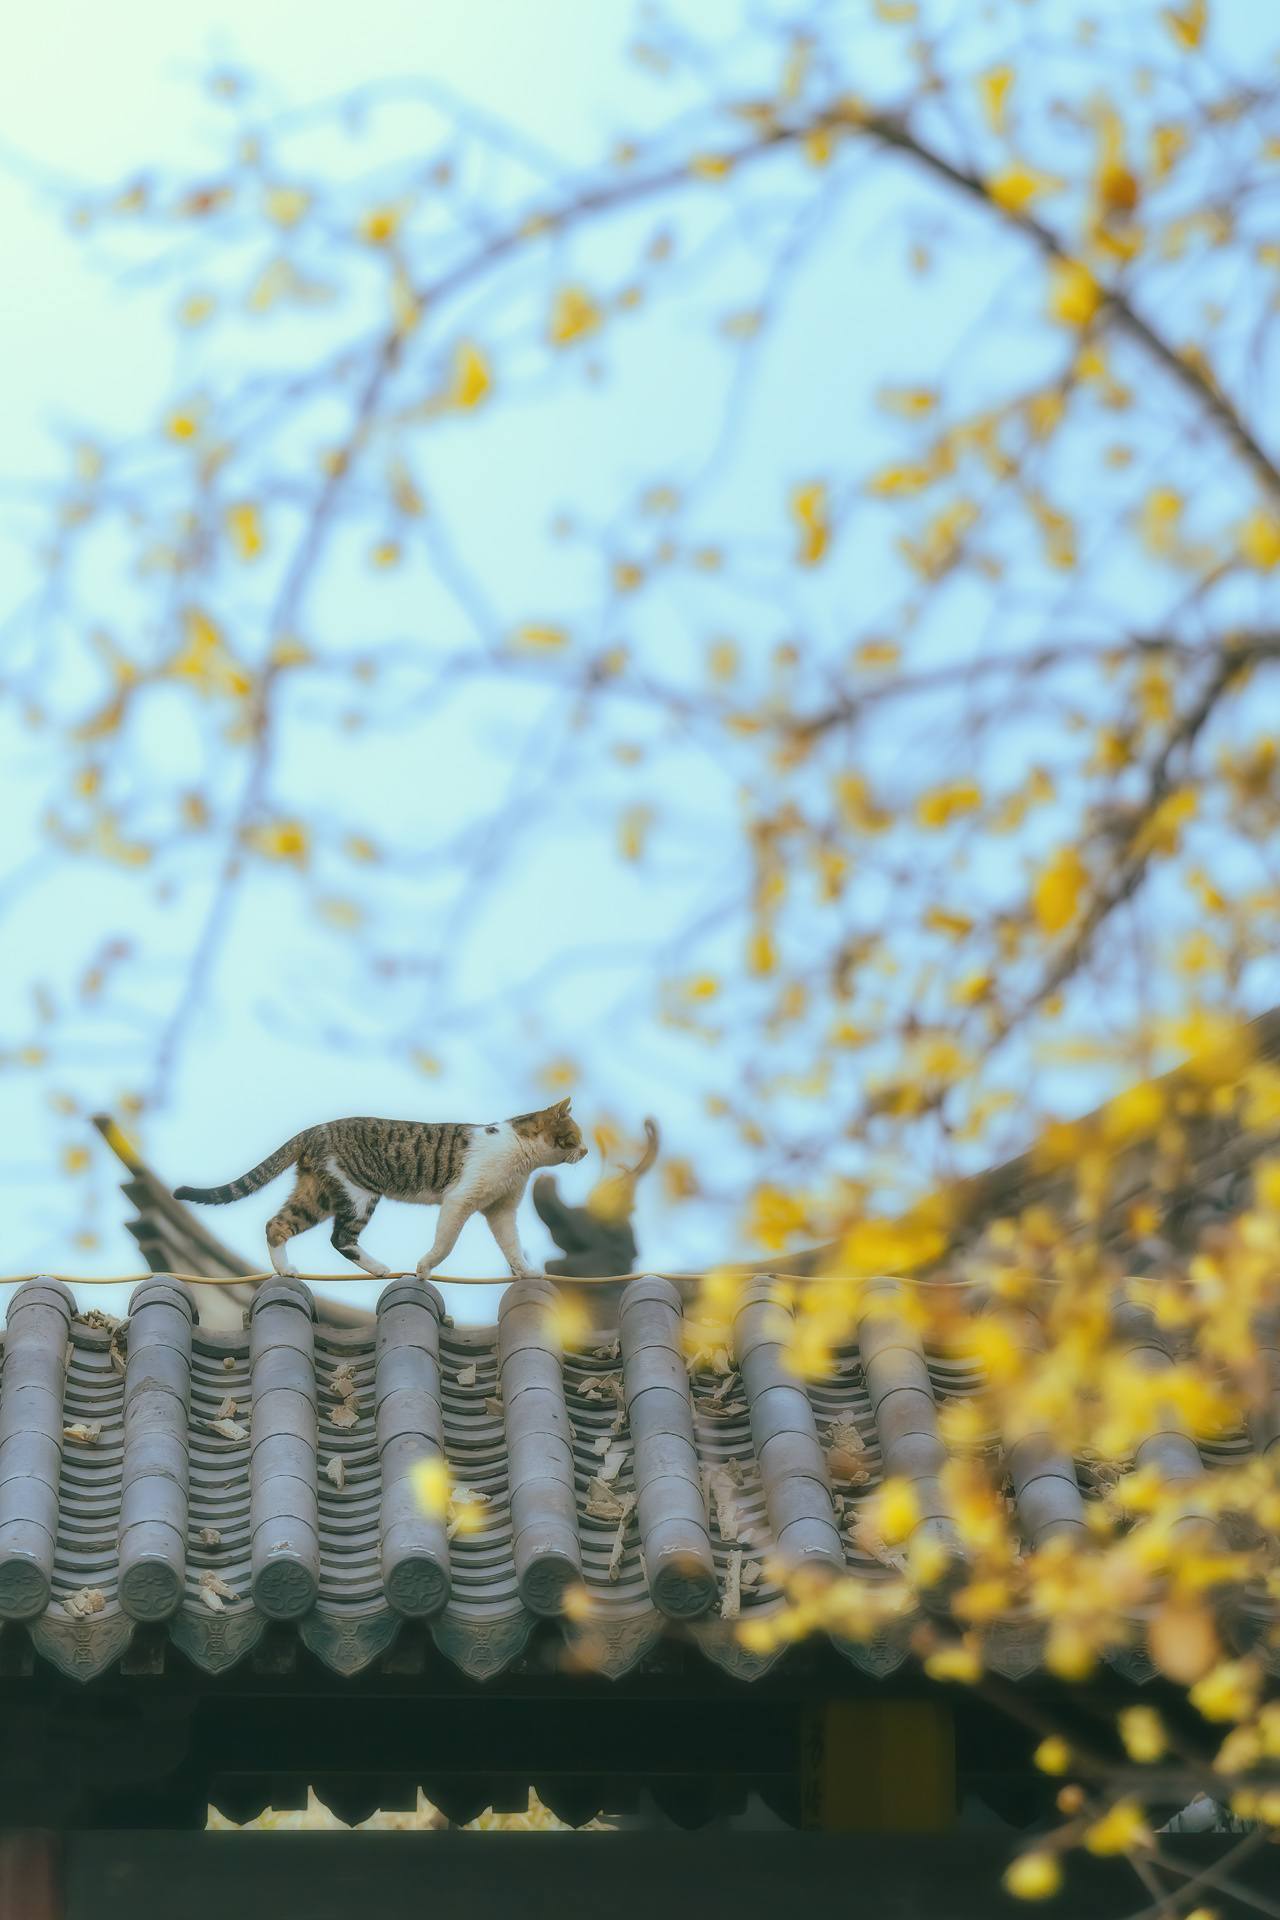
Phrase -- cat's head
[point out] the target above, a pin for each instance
(556, 1132)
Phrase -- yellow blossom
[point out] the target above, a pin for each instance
(1121, 1828)
(574, 313)
(942, 804)
(1258, 539)
(244, 529)
(1052, 1755)
(897, 1510)
(958, 1661)
(430, 1482)
(285, 206)
(380, 226)
(809, 509)
(1057, 891)
(1142, 1731)
(470, 377)
(1018, 185)
(1034, 1876)
(993, 95)
(1228, 1691)
(1074, 294)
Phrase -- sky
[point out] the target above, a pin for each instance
(97, 352)
(95, 356)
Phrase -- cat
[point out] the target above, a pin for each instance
(346, 1166)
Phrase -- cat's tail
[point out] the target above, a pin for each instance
(248, 1182)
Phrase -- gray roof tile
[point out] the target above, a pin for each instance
(227, 1480)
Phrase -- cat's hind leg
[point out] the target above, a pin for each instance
(350, 1219)
(306, 1206)
(453, 1217)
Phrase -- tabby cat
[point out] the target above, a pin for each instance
(346, 1166)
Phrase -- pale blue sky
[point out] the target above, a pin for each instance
(91, 95)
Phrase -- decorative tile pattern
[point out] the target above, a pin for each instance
(219, 1482)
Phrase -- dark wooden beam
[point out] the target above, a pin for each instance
(752, 1876)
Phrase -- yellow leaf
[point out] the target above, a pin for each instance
(281, 840)
(889, 1246)
(574, 313)
(75, 1159)
(386, 553)
(703, 986)
(1074, 294)
(426, 1063)
(380, 226)
(195, 309)
(289, 651)
(762, 952)
(406, 307)
(1058, 887)
(944, 920)
(993, 95)
(819, 145)
(909, 403)
(1162, 833)
(183, 424)
(1120, 1828)
(559, 1075)
(936, 808)
(470, 378)
(711, 166)
(633, 831)
(1266, 1185)
(723, 660)
(244, 529)
(1017, 186)
(1158, 521)
(895, 480)
(1167, 144)
(858, 809)
(897, 1510)
(285, 206)
(1258, 539)
(775, 1216)
(1142, 1731)
(679, 1181)
(430, 1482)
(878, 654)
(1133, 1114)
(809, 510)
(971, 988)
(539, 639)
(343, 915)
(205, 658)
(1187, 24)
(1228, 1691)
(1033, 1876)
(1053, 1755)
(958, 1660)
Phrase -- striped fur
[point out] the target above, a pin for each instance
(344, 1167)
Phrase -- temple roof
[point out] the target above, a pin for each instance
(218, 1482)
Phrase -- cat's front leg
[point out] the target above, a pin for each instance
(502, 1224)
(453, 1217)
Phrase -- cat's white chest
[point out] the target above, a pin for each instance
(496, 1167)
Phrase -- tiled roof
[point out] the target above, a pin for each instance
(220, 1481)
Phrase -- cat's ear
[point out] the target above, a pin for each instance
(562, 1106)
